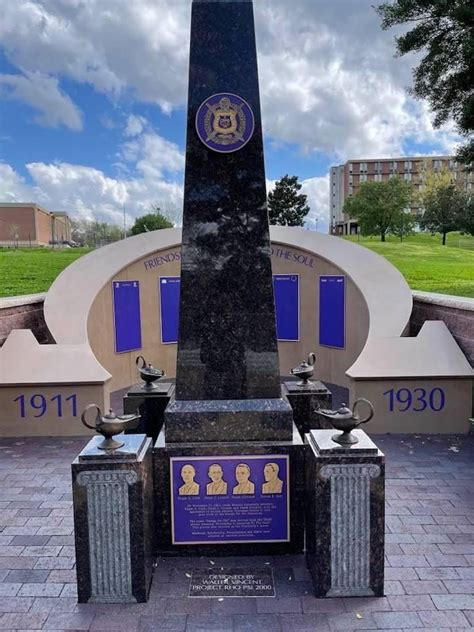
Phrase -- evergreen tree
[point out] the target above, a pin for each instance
(286, 205)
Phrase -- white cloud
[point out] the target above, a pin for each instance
(317, 190)
(153, 173)
(329, 80)
(135, 125)
(13, 187)
(42, 93)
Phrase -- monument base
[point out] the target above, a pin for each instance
(113, 521)
(228, 517)
(345, 515)
(197, 421)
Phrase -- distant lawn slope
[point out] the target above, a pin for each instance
(421, 259)
(426, 264)
(28, 271)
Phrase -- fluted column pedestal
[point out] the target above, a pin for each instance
(345, 516)
(113, 521)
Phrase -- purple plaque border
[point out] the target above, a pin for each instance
(237, 457)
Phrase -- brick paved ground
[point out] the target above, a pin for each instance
(429, 554)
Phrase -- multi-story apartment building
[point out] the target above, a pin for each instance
(31, 225)
(345, 181)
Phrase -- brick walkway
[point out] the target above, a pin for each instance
(429, 554)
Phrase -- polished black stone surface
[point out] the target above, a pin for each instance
(305, 402)
(324, 443)
(229, 420)
(318, 512)
(130, 451)
(164, 450)
(151, 404)
(141, 517)
(227, 336)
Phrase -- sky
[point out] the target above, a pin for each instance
(93, 100)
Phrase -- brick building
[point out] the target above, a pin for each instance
(345, 181)
(29, 224)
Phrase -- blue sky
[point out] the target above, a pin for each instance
(93, 98)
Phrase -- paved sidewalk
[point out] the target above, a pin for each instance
(429, 554)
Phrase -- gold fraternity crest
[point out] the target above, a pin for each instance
(225, 122)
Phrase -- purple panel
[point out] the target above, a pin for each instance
(169, 308)
(332, 311)
(246, 500)
(128, 332)
(287, 306)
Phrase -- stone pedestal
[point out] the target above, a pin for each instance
(345, 516)
(113, 521)
(305, 401)
(151, 404)
(289, 500)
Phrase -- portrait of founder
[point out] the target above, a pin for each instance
(218, 485)
(190, 488)
(273, 485)
(242, 475)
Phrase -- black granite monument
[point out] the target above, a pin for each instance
(228, 404)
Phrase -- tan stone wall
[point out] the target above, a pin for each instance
(419, 417)
(331, 363)
(459, 321)
(17, 220)
(21, 408)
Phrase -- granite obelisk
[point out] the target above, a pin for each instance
(227, 382)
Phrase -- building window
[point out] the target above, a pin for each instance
(363, 177)
(407, 165)
(351, 166)
(351, 190)
(407, 177)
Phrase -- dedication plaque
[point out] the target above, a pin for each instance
(232, 582)
(230, 499)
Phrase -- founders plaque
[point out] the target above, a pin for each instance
(230, 499)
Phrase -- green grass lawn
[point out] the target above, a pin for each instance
(423, 261)
(28, 271)
(426, 264)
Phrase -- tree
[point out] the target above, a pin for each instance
(443, 210)
(171, 211)
(379, 206)
(93, 233)
(403, 224)
(444, 32)
(467, 217)
(147, 223)
(286, 206)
